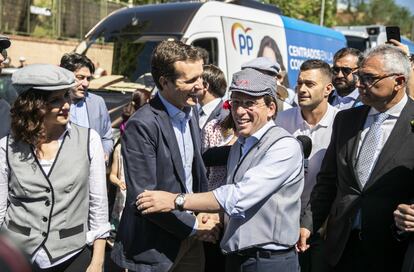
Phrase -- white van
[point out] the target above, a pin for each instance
(232, 33)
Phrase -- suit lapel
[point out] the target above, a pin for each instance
(169, 137)
(395, 142)
(214, 114)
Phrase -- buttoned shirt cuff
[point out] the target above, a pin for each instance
(101, 232)
(228, 197)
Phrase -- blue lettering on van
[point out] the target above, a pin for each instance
(307, 41)
(245, 44)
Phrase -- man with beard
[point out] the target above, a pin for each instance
(345, 65)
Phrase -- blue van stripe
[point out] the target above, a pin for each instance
(298, 25)
(409, 43)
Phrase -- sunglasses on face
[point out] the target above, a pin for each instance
(345, 70)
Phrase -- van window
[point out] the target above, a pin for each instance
(211, 45)
(357, 42)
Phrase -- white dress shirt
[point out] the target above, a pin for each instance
(206, 111)
(99, 226)
(320, 134)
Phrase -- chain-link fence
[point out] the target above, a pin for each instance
(53, 18)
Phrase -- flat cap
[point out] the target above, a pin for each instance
(252, 82)
(44, 77)
(4, 42)
(264, 64)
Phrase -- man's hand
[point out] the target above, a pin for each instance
(155, 202)
(404, 217)
(209, 227)
(301, 245)
(400, 45)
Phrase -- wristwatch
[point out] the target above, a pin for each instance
(179, 202)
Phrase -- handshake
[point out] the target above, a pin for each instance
(209, 227)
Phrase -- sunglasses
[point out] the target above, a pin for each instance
(345, 70)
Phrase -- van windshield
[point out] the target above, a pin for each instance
(126, 55)
(122, 43)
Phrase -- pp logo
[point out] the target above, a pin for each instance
(240, 34)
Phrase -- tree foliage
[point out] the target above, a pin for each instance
(379, 12)
(307, 10)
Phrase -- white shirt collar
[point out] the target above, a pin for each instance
(324, 122)
(257, 135)
(394, 111)
(210, 106)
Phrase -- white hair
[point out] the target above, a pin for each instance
(394, 59)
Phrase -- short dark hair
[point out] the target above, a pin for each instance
(268, 99)
(215, 79)
(74, 61)
(166, 54)
(317, 64)
(348, 51)
(204, 54)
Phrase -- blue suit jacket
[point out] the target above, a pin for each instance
(99, 120)
(153, 161)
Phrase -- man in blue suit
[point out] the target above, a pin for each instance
(88, 109)
(161, 150)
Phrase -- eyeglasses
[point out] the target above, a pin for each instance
(345, 70)
(245, 104)
(369, 80)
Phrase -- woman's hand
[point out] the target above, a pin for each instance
(121, 184)
(98, 256)
(155, 201)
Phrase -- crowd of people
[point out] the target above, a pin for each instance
(257, 181)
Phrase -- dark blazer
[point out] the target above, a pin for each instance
(152, 161)
(337, 193)
(218, 113)
(408, 265)
(4, 118)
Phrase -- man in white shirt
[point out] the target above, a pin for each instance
(210, 100)
(368, 169)
(313, 118)
(345, 65)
